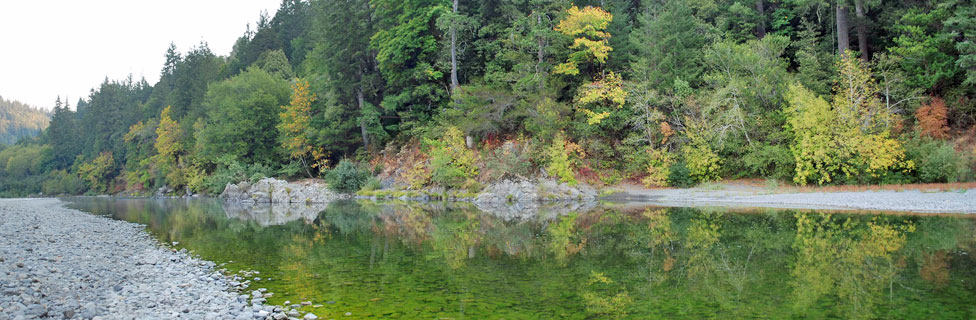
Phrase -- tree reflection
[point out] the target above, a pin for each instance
(564, 240)
(439, 260)
(852, 264)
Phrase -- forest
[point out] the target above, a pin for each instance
(19, 120)
(416, 94)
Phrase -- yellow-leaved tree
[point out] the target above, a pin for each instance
(607, 92)
(591, 42)
(170, 150)
(850, 137)
(702, 162)
(295, 127)
(98, 171)
(558, 156)
(452, 164)
(591, 47)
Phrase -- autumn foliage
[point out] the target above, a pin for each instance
(847, 138)
(590, 44)
(98, 171)
(295, 127)
(932, 119)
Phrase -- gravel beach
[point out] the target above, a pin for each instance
(958, 201)
(59, 263)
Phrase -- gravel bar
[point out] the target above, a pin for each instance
(60, 263)
(954, 202)
(963, 201)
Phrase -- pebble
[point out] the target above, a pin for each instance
(64, 263)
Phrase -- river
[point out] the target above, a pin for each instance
(453, 261)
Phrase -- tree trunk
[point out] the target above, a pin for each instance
(362, 119)
(862, 30)
(843, 29)
(454, 77)
(761, 26)
(541, 55)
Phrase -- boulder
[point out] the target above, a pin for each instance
(271, 190)
(541, 190)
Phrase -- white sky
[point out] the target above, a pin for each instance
(66, 47)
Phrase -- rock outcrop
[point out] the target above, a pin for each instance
(541, 190)
(271, 190)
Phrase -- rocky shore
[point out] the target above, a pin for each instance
(539, 190)
(59, 263)
(516, 193)
(513, 193)
(271, 190)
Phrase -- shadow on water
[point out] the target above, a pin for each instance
(436, 260)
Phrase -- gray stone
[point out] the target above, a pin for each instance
(125, 274)
(540, 190)
(270, 190)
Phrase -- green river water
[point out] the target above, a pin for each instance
(453, 261)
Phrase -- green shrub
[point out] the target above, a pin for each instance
(346, 177)
(229, 170)
(60, 182)
(680, 176)
(292, 169)
(936, 160)
(511, 160)
(372, 184)
(770, 161)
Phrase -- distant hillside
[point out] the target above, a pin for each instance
(19, 120)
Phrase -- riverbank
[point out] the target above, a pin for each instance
(271, 190)
(61, 263)
(920, 199)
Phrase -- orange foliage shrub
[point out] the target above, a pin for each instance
(406, 165)
(932, 119)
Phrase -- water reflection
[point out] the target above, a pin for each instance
(437, 260)
(271, 214)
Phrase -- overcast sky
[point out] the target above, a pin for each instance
(66, 47)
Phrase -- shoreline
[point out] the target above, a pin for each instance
(63, 263)
(930, 198)
(961, 201)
